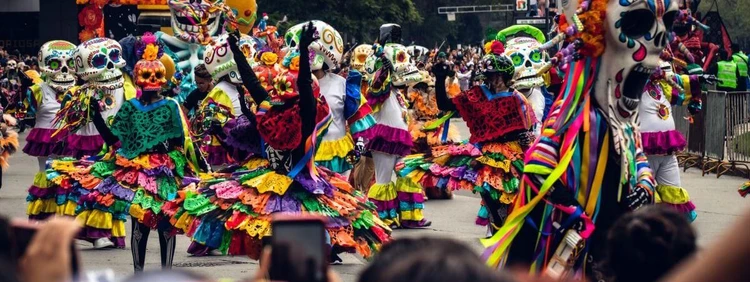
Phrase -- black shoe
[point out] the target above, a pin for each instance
(335, 259)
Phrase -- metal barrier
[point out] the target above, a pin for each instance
(714, 131)
(737, 117)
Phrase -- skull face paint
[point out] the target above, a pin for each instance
(328, 49)
(219, 60)
(57, 64)
(528, 60)
(98, 61)
(187, 16)
(637, 32)
(150, 75)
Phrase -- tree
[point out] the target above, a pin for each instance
(734, 14)
(355, 20)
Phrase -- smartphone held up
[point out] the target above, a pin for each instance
(299, 248)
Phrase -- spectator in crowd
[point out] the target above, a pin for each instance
(646, 244)
(726, 71)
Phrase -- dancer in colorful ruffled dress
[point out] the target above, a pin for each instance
(399, 204)
(350, 114)
(143, 176)
(219, 109)
(660, 139)
(435, 140)
(100, 62)
(500, 120)
(231, 210)
(57, 64)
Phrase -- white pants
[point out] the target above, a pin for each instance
(42, 161)
(384, 165)
(666, 169)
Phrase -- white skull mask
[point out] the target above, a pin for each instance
(98, 62)
(11, 65)
(528, 60)
(57, 64)
(328, 49)
(219, 60)
(359, 57)
(637, 32)
(186, 19)
(404, 71)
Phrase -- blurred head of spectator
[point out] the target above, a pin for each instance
(646, 244)
(429, 260)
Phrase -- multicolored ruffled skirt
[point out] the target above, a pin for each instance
(499, 171)
(332, 154)
(441, 171)
(232, 211)
(56, 191)
(118, 187)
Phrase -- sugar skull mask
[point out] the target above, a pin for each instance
(98, 62)
(359, 57)
(187, 16)
(328, 49)
(636, 33)
(404, 71)
(219, 60)
(57, 64)
(150, 75)
(249, 46)
(418, 53)
(524, 51)
(11, 65)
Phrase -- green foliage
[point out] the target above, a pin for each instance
(360, 19)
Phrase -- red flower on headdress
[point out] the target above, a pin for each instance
(99, 3)
(90, 17)
(86, 34)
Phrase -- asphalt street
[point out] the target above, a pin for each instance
(717, 201)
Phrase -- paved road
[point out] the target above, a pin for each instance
(717, 200)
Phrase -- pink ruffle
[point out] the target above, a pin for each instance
(682, 208)
(79, 145)
(410, 197)
(42, 193)
(40, 143)
(216, 155)
(482, 221)
(385, 205)
(389, 140)
(663, 142)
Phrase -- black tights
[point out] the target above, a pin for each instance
(497, 210)
(139, 240)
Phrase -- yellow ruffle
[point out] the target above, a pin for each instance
(504, 164)
(270, 182)
(382, 192)
(40, 180)
(331, 149)
(255, 163)
(184, 222)
(41, 206)
(413, 215)
(137, 212)
(67, 209)
(256, 227)
(96, 219)
(118, 228)
(406, 185)
(507, 198)
(672, 194)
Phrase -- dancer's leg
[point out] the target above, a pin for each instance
(167, 243)
(138, 241)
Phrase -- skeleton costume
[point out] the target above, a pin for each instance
(435, 141)
(660, 139)
(500, 125)
(350, 113)
(524, 50)
(218, 112)
(98, 62)
(399, 204)
(57, 64)
(231, 210)
(588, 167)
(142, 178)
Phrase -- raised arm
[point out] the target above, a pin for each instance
(101, 126)
(442, 71)
(249, 80)
(307, 102)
